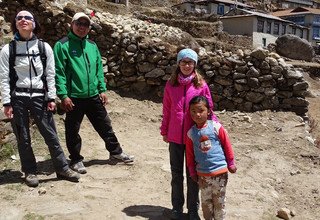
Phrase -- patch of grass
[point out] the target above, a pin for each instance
(90, 197)
(9, 197)
(313, 124)
(33, 216)
(15, 187)
(6, 150)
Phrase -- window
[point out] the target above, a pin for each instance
(264, 42)
(260, 26)
(276, 29)
(220, 9)
(294, 30)
(269, 27)
(301, 33)
(284, 29)
(192, 7)
(316, 33)
(316, 18)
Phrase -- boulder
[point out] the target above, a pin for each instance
(294, 47)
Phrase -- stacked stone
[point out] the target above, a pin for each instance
(139, 56)
(253, 81)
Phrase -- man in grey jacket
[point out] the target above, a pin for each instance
(25, 92)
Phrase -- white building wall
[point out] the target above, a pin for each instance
(258, 39)
(63, 3)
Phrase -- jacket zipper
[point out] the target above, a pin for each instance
(87, 64)
(184, 106)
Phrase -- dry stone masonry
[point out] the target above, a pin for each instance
(139, 56)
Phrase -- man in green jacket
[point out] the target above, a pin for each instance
(81, 88)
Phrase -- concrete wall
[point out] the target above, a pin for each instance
(240, 26)
(81, 3)
(258, 39)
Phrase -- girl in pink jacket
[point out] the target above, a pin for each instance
(184, 84)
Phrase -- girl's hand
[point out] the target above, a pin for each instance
(165, 139)
(8, 111)
(51, 106)
(194, 178)
(232, 169)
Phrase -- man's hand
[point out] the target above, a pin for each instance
(8, 111)
(104, 98)
(67, 104)
(51, 107)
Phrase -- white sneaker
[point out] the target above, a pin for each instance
(79, 167)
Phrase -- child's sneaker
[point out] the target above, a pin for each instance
(122, 157)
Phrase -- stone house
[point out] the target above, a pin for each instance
(263, 28)
(300, 3)
(309, 17)
(217, 7)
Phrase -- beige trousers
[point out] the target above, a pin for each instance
(213, 196)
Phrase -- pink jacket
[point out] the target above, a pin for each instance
(176, 119)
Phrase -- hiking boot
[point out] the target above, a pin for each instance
(176, 214)
(194, 215)
(69, 175)
(31, 180)
(79, 167)
(122, 158)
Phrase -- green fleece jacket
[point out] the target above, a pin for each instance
(79, 71)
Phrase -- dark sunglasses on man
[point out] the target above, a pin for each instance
(26, 17)
(82, 24)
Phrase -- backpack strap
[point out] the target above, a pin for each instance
(13, 78)
(43, 57)
(12, 59)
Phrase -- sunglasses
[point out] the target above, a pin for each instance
(26, 17)
(82, 24)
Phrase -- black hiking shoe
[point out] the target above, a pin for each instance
(69, 175)
(31, 180)
(122, 158)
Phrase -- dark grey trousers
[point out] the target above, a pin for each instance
(177, 156)
(36, 107)
(98, 116)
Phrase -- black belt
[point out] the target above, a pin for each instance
(28, 90)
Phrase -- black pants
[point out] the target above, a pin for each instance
(177, 155)
(37, 108)
(98, 116)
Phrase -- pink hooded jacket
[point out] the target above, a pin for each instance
(176, 119)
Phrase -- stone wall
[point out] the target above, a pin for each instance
(139, 56)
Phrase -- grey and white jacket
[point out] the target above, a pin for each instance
(27, 78)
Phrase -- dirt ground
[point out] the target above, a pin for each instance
(278, 167)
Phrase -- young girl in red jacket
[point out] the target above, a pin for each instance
(184, 84)
(209, 158)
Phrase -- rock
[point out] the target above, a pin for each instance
(294, 47)
(284, 213)
(42, 191)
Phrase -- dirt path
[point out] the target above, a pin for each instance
(277, 167)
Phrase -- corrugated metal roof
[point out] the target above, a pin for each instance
(296, 11)
(230, 2)
(269, 16)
